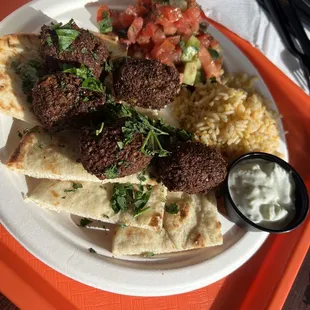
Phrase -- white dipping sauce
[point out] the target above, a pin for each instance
(264, 192)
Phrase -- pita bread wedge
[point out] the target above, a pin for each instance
(92, 200)
(196, 225)
(16, 51)
(44, 156)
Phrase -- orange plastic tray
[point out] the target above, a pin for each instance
(262, 283)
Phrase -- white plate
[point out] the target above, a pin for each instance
(60, 243)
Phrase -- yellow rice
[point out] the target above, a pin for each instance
(230, 116)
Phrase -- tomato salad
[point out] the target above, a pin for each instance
(173, 32)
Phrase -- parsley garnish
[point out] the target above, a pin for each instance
(98, 131)
(141, 177)
(84, 50)
(82, 72)
(108, 66)
(120, 145)
(172, 208)
(84, 222)
(49, 41)
(111, 172)
(75, 187)
(148, 254)
(152, 146)
(91, 250)
(66, 37)
(93, 84)
(105, 25)
(123, 225)
(214, 53)
(126, 196)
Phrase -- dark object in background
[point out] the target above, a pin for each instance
(59, 102)
(191, 167)
(285, 17)
(145, 83)
(103, 154)
(86, 49)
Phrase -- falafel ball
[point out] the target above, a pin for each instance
(85, 49)
(103, 154)
(192, 167)
(60, 103)
(145, 83)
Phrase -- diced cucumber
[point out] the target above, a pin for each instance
(190, 72)
(190, 49)
(194, 42)
(189, 53)
(200, 77)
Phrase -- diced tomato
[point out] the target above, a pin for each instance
(163, 51)
(176, 55)
(127, 17)
(193, 13)
(205, 40)
(102, 8)
(124, 43)
(158, 35)
(134, 29)
(146, 33)
(183, 26)
(174, 39)
(161, 20)
(146, 3)
(208, 64)
(115, 18)
(170, 30)
(170, 13)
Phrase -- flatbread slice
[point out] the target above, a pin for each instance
(196, 225)
(92, 200)
(44, 156)
(16, 50)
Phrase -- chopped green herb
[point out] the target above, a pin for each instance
(75, 187)
(172, 208)
(123, 225)
(183, 46)
(152, 146)
(49, 41)
(84, 222)
(148, 254)
(112, 172)
(95, 56)
(108, 66)
(105, 25)
(84, 50)
(91, 250)
(86, 99)
(63, 85)
(66, 37)
(68, 25)
(203, 27)
(41, 146)
(214, 53)
(120, 145)
(93, 84)
(82, 72)
(141, 177)
(126, 196)
(99, 131)
(213, 79)
(104, 215)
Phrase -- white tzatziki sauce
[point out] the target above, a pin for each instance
(264, 192)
